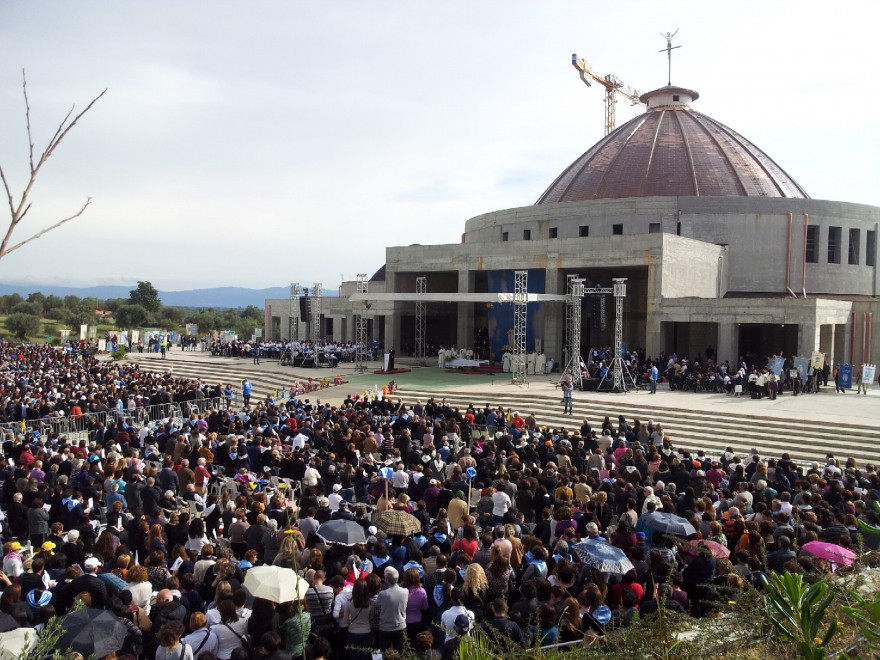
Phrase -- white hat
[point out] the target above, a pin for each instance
(92, 563)
(336, 488)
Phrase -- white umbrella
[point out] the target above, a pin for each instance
(280, 585)
(12, 643)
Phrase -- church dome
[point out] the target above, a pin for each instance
(670, 151)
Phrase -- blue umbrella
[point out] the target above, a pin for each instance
(668, 523)
(603, 556)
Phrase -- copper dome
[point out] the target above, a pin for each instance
(670, 151)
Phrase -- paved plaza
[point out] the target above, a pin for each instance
(826, 408)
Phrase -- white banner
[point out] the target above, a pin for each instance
(868, 372)
(83, 331)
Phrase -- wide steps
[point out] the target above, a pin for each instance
(802, 439)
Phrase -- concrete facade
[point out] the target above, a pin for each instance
(765, 270)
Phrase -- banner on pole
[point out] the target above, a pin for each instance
(844, 376)
(868, 373)
(817, 360)
(802, 365)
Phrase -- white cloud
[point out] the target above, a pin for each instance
(251, 144)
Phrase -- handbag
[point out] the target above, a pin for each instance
(326, 625)
(245, 642)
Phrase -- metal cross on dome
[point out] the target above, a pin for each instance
(668, 50)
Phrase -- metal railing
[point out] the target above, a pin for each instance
(89, 422)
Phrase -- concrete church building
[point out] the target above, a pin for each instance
(720, 247)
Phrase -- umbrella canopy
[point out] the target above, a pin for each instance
(398, 523)
(668, 523)
(280, 585)
(693, 548)
(832, 552)
(92, 631)
(12, 643)
(342, 532)
(603, 556)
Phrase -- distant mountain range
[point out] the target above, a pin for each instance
(224, 296)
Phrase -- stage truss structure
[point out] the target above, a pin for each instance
(316, 311)
(293, 329)
(520, 326)
(421, 288)
(361, 355)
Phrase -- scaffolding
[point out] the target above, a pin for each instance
(520, 325)
(421, 288)
(293, 329)
(361, 355)
(316, 311)
(573, 328)
(621, 378)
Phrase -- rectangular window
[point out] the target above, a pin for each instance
(554, 232)
(504, 236)
(854, 245)
(812, 244)
(871, 248)
(617, 230)
(584, 231)
(654, 228)
(527, 234)
(834, 245)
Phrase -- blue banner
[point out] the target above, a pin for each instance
(803, 367)
(844, 376)
(775, 364)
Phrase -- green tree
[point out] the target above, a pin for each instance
(23, 326)
(208, 320)
(146, 296)
(53, 301)
(32, 308)
(76, 317)
(173, 316)
(131, 316)
(8, 302)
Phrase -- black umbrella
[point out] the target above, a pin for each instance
(342, 532)
(92, 631)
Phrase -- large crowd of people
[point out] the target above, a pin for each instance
(160, 521)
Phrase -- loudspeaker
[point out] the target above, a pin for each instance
(305, 309)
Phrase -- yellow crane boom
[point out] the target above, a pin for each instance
(613, 86)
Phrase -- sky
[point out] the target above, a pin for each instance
(258, 143)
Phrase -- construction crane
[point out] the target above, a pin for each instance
(613, 86)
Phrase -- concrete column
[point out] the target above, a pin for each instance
(465, 321)
(554, 315)
(808, 338)
(841, 339)
(656, 339)
(728, 343)
(826, 341)
(392, 320)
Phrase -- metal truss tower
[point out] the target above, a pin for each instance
(361, 355)
(573, 328)
(520, 325)
(619, 369)
(316, 311)
(421, 288)
(293, 330)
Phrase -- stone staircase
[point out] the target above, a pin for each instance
(804, 440)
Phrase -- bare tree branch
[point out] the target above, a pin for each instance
(47, 229)
(27, 114)
(8, 192)
(19, 211)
